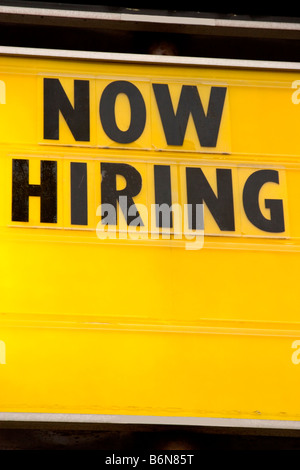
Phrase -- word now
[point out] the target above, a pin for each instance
(77, 117)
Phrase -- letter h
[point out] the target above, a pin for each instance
(47, 191)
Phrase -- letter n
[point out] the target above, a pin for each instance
(56, 102)
(221, 205)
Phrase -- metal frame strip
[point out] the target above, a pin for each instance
(70, 418)
(153, 18)
(148, 58)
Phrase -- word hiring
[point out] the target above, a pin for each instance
(199, 191)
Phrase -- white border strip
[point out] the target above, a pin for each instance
(149, 18)
(147, 420)
(148, 58)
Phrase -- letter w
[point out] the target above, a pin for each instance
(207, 126)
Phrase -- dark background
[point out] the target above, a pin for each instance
(279, 44)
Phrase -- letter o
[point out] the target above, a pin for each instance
(107, 112)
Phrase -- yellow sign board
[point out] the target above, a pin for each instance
(149, 239)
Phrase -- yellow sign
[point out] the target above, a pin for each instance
(149, 236)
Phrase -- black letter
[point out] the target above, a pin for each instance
(107, 112)
(221, 206)
(174, 125)
(250, 200)
(78, 193)
(110, 194)
(21, 190)
(162, 184)
(77, 118)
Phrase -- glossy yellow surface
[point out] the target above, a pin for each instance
(138, 325)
